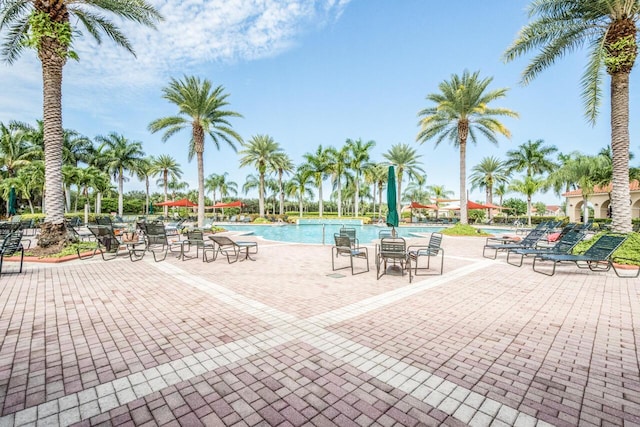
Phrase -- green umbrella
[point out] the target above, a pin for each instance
(12, 202)
(392, 215)
(150, 208)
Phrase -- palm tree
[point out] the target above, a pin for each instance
(318, 165)
(580, 171)
(46, 27)
(260, 151)
(226, 187)
(15, 150)
(339, 160)
(360, 160)
(405, 159)
(298, 186)
(439, 192)
(143, 170)
(377, 176)
(609, 29)
(282, 164)
(417, 190)
(30, 180)
(122, 156)
(532, 157)
(87, 179)
(528, 187)
(461, 109)
(202, 109)
(168, 169)
(486, 174)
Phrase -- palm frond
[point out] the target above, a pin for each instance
(591, 80)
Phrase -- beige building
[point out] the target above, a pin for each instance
(599, 201)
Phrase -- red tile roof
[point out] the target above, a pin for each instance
(633, 186)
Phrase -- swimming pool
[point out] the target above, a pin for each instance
(313, 233)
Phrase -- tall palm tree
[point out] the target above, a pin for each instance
(46, 26)
(298, 186)
(417, 190)
(87, 178)
(260, 151)
(528, 187)
(609, 29)
(168, 169)
(532, 157)
(360, 160)
(439, 192)
(486, 174)
(143, 170)
(226, 186)
(122, 156)
(405, 159)
(282, 164)
(318, 165)
(339, 160)
(377, 176)
(461, 109)
(200, 107)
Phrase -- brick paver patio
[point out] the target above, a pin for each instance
(282, 341)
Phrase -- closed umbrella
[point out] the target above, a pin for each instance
(151, 208)
(392, 216)
(12, 202)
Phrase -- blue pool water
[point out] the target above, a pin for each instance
(312, 233)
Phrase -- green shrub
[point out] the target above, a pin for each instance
(464, 230)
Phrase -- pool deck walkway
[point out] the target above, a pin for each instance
(286, 341)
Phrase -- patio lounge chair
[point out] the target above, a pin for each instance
(343, 247)
(432, 249)
(231, 249)
(10, 245)
(562, 246)
(529, 242)
(107, 243)
(392, 249)
(596, 258)
(195, 238)
(157, 242)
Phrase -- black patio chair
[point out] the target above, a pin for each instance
(597, 258)
(431, 249)
(10, 245)
(157, 242)
(344, 247)
(392, 249)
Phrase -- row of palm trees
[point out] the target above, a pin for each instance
(459, 110)
(353, 175)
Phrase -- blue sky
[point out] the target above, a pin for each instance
(316, 72)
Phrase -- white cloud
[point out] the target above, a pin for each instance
(200, 31)
(194, 32)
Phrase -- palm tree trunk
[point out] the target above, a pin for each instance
(357, 197)
(120, 191)
(380, 200)
(199, 157)
(339, 190)
(373, 198)
(320, 207)
(281, 188)
(620, 192)
(300, 204)
(261, 195)
(166, 191)
(464, 217)
(529, 211)
(146, 206)
(53, 136)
